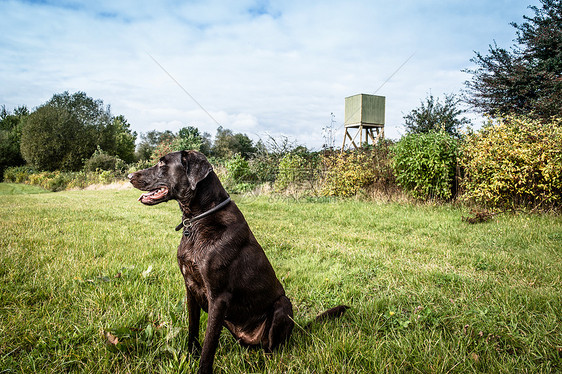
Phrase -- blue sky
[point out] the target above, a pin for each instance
(257, 67)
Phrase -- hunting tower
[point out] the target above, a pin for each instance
(365, 114)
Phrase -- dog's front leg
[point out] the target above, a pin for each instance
(194, 310)
(217, 310)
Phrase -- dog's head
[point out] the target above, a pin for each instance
(174, 177)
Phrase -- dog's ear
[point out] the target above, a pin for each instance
(196, 166)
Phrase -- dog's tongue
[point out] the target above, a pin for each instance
(153, 195)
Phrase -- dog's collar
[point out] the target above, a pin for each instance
(186, 222)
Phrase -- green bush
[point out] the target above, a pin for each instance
(51, 180)
(101, 160)
(264, 168)
(161, 150)
(350, 172)
(17, 174)
(139, 165)
(82, 179)
(235, 174)
(514, 162)
(298, 170)
(59, 181)
(347, 173)
(238, 169)
(290, 170)
(425, 164)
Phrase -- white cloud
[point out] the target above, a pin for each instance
(256, 66)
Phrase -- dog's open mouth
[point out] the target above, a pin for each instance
(154, 196)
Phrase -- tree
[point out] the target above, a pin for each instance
(52, 138)
(190, 138)
(206, 144)
(150, 141)
(118, 139)
(65, 131)
(222, 144)
(433, 115)
(527, 79)
(89, 112)
(227, 144)
(10, 136)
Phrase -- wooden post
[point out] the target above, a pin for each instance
(369, 133)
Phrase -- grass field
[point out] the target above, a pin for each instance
(19, 189)
(83, 270)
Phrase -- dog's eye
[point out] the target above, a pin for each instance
(160, 163)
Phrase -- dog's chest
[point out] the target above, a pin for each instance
(191, 271)
(194, 282)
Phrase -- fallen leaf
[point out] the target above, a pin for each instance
(146, 273)
(111, 339)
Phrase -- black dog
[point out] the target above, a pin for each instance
(226, 271)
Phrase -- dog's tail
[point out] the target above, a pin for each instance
(331, 313)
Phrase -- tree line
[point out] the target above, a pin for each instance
(63, 133)
(67, 130)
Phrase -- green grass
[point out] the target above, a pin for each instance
(429, 293)
(19, 189)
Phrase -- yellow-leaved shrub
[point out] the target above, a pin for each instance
(514, 162)
(350, 172)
